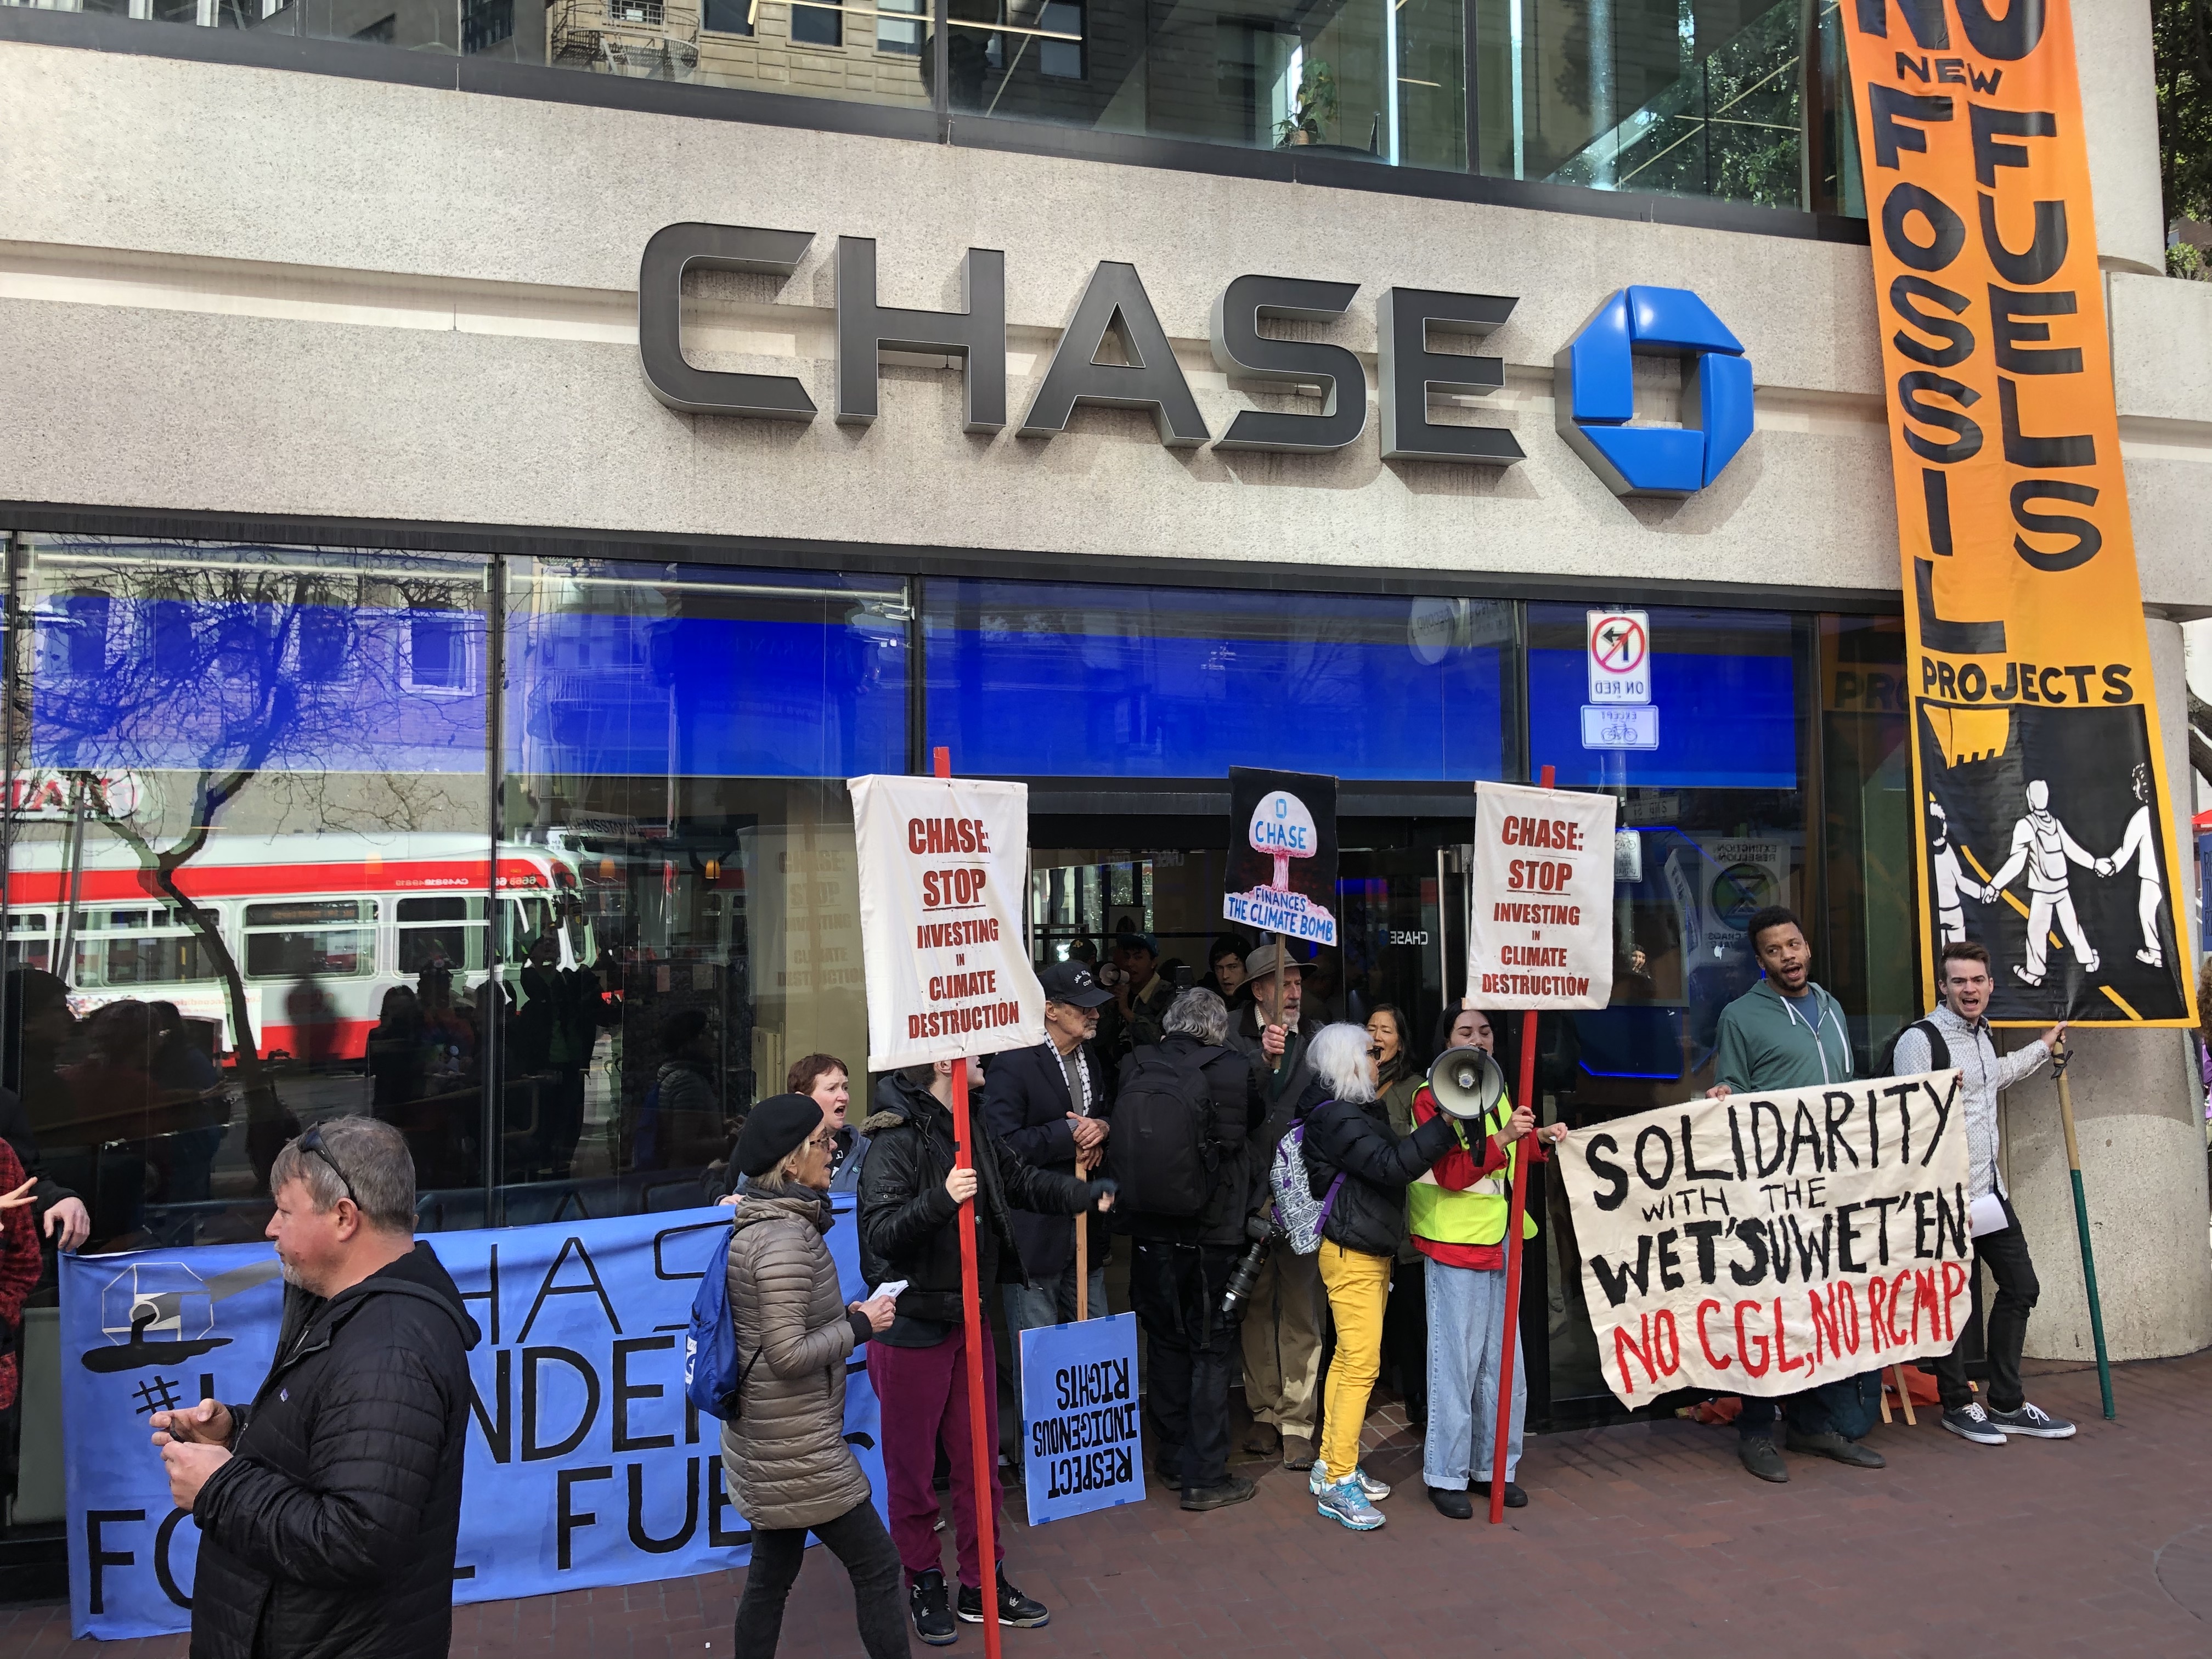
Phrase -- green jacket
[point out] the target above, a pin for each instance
(1765, 1043)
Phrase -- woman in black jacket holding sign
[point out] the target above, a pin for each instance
(1350, 1149)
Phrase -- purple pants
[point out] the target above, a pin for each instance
(924, 1393)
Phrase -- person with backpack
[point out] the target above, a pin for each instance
(1787, 1033)
(1357, 1171)
(789, 1468)
(1184, 1114)
(1958, 1034)
(912, 1200)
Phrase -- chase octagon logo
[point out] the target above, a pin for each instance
(1593, 386)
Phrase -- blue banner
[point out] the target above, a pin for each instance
(585, 1466)
(1082, 1442)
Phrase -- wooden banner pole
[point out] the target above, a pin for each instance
(984, 1444)
(1514, 1212)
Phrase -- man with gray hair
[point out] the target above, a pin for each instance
(1184, 1116)
(329, 1509)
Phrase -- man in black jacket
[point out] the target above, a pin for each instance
(1182, 1262)
(329, 1509)
(912, 1204)
(1048, 1106)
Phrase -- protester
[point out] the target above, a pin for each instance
(22, 1262)
(1406, 1319)
(1224, 966)
(329, 1509)
(1348, 1135)
(1458, 1214)
(1048, 1106)
(789, 1468)
(34, 1027)
(827, 1080)
(1182, 1261)
(912, 1197)
(1140, 997)
(1784, 1033)
(1960, 1026)
(1282, 1329)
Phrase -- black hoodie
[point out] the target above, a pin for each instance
(331, 1531)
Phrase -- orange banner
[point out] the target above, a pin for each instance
(2045, 829)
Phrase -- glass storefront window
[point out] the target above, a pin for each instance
(1384, 81)
(1738, 100)
(1168, 683)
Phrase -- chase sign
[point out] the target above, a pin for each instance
(1412, 373)
(1594, 392)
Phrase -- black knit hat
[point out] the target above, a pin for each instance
(774, 1130)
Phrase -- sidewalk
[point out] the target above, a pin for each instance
(1647, 1541)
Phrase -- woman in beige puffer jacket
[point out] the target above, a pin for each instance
(786, 1465)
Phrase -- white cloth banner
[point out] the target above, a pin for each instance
(1539, 932)
(943, 862)
(1771, 1242)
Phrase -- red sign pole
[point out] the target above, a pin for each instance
(1514, 1212)
(979, 1368)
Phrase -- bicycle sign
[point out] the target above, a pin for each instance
(1620, 657)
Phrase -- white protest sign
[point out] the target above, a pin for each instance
(1771, 1242)
(943, 863)
(1540, 931)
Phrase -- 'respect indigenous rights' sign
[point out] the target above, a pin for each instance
(1083, 1426)
(1766, 1244)
(1540, 933)
(943, 864)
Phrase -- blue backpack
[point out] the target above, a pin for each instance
(713, 1378)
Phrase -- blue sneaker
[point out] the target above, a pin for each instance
(1319, 1481)
(1344, 1503)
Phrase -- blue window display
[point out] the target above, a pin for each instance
(1032, 679)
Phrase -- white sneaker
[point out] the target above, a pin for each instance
(1344, 1503)
(1375, 1491)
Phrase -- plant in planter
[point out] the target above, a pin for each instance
(1316, 103)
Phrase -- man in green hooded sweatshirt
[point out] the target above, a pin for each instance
(1783, 1033)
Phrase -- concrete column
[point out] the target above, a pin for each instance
(2120, 104)
(2139, 1116)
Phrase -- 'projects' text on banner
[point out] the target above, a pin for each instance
(2046, 832)
(1768, 1243)
(1082, 1423)
(585, 1465)
(1539, 927)
(943, 870)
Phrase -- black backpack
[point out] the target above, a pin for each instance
(1939, 1052)
(1162, 1151)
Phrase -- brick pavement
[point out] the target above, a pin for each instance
(1645, 1541)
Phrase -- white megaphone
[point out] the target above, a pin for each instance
(1467, 1084)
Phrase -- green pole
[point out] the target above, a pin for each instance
(2081, 1224)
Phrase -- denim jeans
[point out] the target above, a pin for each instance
(1050, 1302)
(1466, 1332)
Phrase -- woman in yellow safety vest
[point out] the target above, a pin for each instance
(1455, 1215)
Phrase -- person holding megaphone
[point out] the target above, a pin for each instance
(1456, 1212)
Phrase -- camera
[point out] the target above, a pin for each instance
(1262, 1232)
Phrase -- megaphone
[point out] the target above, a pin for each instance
(1466, 1083)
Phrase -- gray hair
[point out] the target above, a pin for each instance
(375, 1163)
(1198, 1012)
(1339, 1058)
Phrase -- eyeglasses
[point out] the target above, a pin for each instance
(312, 1141)
(823, 1143)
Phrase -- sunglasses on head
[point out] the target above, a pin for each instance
(311, 1142)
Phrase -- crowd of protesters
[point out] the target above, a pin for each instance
(1192, 1119)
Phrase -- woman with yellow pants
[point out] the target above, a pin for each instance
(1360, 1169)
